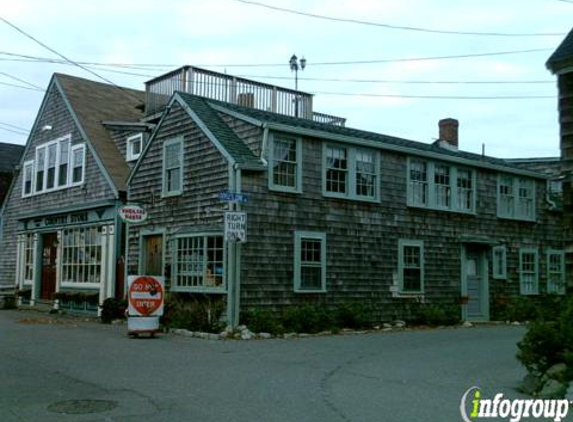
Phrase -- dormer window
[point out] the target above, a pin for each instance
(134, 147)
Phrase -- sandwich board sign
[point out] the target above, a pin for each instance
(235, 226)
(145, 295)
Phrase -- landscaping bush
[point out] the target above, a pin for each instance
(113, 309)
(434, 314)
(353, 315)
(307, 319)
(547, 343)
(193, 313)
(264, 321)
(539, 308)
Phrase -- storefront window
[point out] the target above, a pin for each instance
(82, 255)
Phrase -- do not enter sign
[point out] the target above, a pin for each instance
(145, 295)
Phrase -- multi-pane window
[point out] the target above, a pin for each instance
(411, 266)
(366, 174)
(336, 170)
(173, 167)
(285, 169)
(418, 183)
(28, 258)
(516, 197)
(440, 186)
(134, 147)
(51, 166)
(499, 262)
(556, 272)
(465, 189)
(27, 178)
(528, 271)
(78, 164)
(350, 172)
(310, 262)
(40, 166)
(63, 163)
(199, 263)
(82, 255)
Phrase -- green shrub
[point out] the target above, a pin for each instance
(193, 313)
(434, 314)
(264, 321)
(113, 309)
(549, 342)
(353, 315)
(307, 319)
(539, 308)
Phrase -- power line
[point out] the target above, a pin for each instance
(398, 81)
(14, 131)
(22, 87)
(388, 26)
(347, 62)
(21, 31)
(15, 127)
(439, 97)
(21, 80)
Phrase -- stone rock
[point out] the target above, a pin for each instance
(516, 323)
(467, 324)
(553, 389)
(246, 335)
(387, 329)
(386, 325)
(557, 371)
(399, 324)
(531, 384)
(187, 333)
(287, 336)
(347, 331)
(224, 335)
(228, 329)
(304, 335)
(265, 336)
(237, 336)
(324, 333)
(242, 328)
(178, 331)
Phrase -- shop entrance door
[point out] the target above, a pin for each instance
(152, 255)
(49, 265)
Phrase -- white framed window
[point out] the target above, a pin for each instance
(285, 167)
(78, 164)
(410, 266)
(40, 168)
(134, 147)
(350, 172)
(51, 159)
(173, 167)
(515, 197)
(64, 159)
(499, 258)
(82, 256)
(199, 263)
(310, 262)
(440, 186)
(528, 271)
(27, 178)
(28, 256)
(556, 272)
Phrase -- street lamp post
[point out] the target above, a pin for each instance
(295, 65)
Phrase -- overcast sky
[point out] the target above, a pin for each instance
(221, 34)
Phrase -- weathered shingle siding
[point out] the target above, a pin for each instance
(120, 136)
(250, 134)
(362, 238)
(95, 188)
(205, 175)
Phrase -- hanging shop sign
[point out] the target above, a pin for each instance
(132, 214)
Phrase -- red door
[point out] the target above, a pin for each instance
(49, 255)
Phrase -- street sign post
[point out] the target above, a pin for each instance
(236, 226)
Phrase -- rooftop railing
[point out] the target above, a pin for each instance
(234, 90)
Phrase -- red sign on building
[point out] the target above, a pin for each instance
(145, 296)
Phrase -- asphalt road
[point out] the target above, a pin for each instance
(418, 375)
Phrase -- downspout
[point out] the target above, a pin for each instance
(237, 255)
(265, 127)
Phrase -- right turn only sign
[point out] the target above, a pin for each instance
(235, 226)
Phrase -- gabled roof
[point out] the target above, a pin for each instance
(563, 56)
(346, 134)
(231, 143)
(94, 102)
(10, 155)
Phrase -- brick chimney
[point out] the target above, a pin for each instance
(449, 131)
